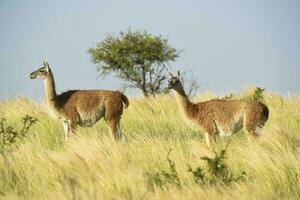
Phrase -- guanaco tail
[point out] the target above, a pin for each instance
(220, 117)
(83, 107)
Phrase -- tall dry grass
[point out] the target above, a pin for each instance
(93, 166)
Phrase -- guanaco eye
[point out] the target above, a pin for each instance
(42, 70)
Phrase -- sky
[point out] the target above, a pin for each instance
(225, 44)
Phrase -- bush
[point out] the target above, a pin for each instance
(162, 179)
(216, 170)
(258, 94)
(11, 137)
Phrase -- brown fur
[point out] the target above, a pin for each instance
(221, 117)
(83, 107)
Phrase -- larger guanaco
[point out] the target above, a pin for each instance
(220, 117)
(83, 107)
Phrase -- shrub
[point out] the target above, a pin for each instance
(163, 178)
(258, 94)
(216, 170)
(11, 137)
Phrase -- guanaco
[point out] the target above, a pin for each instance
(220, 117)
(83, 107)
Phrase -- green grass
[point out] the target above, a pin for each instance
(93, 166)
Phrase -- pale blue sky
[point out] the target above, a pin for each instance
(227, 44)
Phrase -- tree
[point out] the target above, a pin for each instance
(137, 57)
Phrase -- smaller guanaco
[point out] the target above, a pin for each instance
(220, 117)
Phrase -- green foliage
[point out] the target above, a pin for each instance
(10, 137)
(258, 94)
(163, 178)
(137, 57)
(198, 174)
(216, 171)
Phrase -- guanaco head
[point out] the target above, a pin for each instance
(175, 83)
(42, 72)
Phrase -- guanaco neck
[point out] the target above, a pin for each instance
(50, 89)
(184, 103)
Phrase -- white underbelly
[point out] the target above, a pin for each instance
(90, 118)
(233, 127)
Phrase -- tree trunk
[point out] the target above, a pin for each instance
(144, 89)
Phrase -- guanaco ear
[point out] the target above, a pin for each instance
(178, 74)
(46, 64)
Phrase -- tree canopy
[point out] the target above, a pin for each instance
(137, 57)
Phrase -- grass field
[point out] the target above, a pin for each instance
(93, 166)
